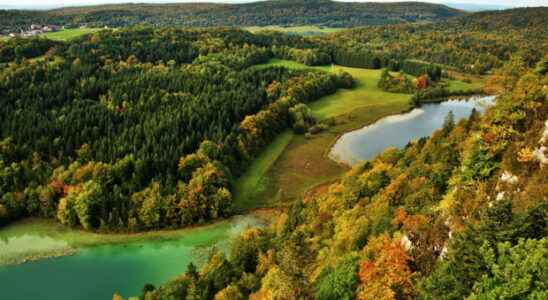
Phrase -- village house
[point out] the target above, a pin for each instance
(36, 29)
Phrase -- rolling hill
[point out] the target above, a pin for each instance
(279, 12)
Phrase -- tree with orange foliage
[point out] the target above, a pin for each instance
(422, 82)
(425, 236)
(386, 273)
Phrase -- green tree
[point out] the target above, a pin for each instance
(448, 123)
(340, 282)
(514, 272)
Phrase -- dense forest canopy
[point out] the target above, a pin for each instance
(141, 128)
(277, 12)
(168, 117)
(475, 43)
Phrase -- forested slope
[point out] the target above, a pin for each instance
(475, 43)
(141, 129)
(277, 12)
(461, 214)
(139, 113)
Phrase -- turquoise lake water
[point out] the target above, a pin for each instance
(98, 272)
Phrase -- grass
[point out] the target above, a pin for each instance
(457, 85)
(63, 35)
(284, 63)
(303, 30)
(69, 34)
(303, 164)
(364, 94)
(254, 182)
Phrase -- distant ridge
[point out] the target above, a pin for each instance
(279, 12)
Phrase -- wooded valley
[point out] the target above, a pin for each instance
(150, 126)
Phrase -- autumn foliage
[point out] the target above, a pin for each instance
(386, 274)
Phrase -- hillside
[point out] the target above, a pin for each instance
(474, 43)
(459, 215)
(122, 136)
(280, 12)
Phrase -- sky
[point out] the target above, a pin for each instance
(59, 3)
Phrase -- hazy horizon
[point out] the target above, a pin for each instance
(48, 4)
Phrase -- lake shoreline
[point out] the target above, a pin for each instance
(327, 151)
(339, 157)
(89, 240)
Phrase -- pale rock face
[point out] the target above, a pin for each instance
(509, 178)
(544, 137)
(500, 196)
(540, 153)
(407, 244)
(443, 253)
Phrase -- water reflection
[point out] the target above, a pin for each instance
(396, 131)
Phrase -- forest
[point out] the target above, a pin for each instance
(459, 215)
(143, 128)
(278, 12)
(124, 137)
(166, 130)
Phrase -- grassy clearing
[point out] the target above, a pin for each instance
(458, 85)
(276, 62)
(69, 34)
(464, 82)
(366, 93)
(63, 35)
(303, 30)
(304, 163)
(254, 182)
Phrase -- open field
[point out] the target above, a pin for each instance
(457, 85)
(69, 34)
(364, 94)
(254, 182)
(280, 175)
(63, 35)
(303, 30)
(304, 162)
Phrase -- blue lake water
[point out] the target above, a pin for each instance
(396, 131)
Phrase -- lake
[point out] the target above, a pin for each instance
(396, 131)
(98, 272)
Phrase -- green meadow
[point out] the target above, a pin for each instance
(69, 34)
(303, 163)
(293, 164)
(254, 182)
